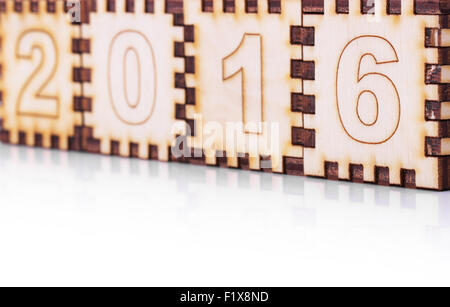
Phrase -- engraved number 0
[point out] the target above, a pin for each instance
(246, 60)
(132, 77)
(355, 90)
(31, 100)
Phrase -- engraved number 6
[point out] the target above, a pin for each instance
(355, 90)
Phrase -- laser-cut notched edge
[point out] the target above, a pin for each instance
(33, 7)
(298, 36)
(431, 7)
(433, 75)
(382, 175)
(300, 102)
(393, 7)
(195, 156)
(251, 6)
(83, 46)
(437, 147)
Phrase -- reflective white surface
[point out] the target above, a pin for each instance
(79, 219)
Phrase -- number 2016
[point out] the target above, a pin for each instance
(245, 60)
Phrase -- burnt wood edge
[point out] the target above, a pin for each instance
(433, 39)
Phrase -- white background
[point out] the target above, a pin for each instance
(73, 219)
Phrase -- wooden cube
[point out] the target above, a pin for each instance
(248, 79)
(39, 73)
(136, 61)
(381, 91)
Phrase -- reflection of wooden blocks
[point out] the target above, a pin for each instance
(37, 76)
(248, 72)
(132, 90)
(381, 92)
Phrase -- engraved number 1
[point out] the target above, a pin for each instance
(246, 61)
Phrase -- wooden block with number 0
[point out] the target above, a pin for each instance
(38, 69)
(247, 75)
(133, 67)
(382, 92)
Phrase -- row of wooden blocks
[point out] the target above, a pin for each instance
(341, 89)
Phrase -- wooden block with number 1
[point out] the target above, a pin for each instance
(248, 76)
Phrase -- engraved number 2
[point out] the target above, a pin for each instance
(246, 61)
(32, 101)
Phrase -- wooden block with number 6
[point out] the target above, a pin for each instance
(381, 91)
(38, 72)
